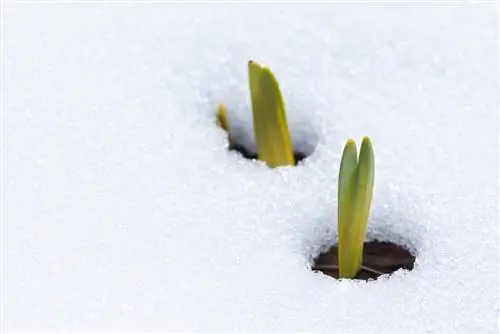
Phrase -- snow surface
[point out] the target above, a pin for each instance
(123, 210)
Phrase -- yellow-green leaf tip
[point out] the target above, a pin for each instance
(274, 145)
(355, 191)
(223, 122)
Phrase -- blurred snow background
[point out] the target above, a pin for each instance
(122, 209)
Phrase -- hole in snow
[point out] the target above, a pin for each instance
(379, 258)
(304, 139)
(247, 154)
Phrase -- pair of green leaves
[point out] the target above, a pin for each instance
(355, 190)
(274, 145)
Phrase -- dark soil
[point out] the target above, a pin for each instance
(378, 258)
(251, 156)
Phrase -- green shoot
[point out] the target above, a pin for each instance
(274, 145)
(355, 191)
(223, 122)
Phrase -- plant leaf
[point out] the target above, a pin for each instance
(269, 121)
(346, 190)
(223, 122)
(360, 210)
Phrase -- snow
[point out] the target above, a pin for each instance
(123, 210)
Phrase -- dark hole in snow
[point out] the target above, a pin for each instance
(298, 156)
(379, 258)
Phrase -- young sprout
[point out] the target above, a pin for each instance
(355, 192)
(223, 122)
(274, 145)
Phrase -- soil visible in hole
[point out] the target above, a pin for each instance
(299, 156)
(379, 258)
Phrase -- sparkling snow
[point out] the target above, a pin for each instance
(123, 210)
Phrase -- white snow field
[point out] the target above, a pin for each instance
(122, 209)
